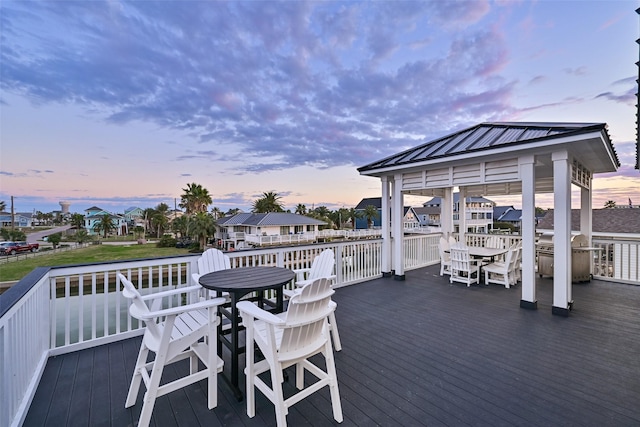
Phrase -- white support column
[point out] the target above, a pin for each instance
(446, 212)
(396, 228)
(386, 228)
(561, 233)
(586, 222)
(528, 229)
(462, 214)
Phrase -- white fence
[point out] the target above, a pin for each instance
(287, 239)
(279, 239)
(617, 260)
(76, 307)
(69, 308)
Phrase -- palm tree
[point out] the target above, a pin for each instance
(216, 212)
(3, 205)
(160, 219)
(338, 216)
(322, 211)
(269, 202)
(160, 222)
(353, 215)
(180, 226)
(148, 214)
(77, 221)
(49, 218)
(301, 209)
(39, 217)
(138, 231)
(202, 225)
(82, 236)
(195, 199)
(232, 212)
(370, 213)
(104, 225)
(609, 204)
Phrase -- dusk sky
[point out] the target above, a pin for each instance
(119, 104)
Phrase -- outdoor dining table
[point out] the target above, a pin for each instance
(239, 282)
(484, 252)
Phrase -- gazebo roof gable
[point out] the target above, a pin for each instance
(485, 138)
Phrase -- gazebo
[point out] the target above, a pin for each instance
(495, 159)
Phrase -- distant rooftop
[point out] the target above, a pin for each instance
(621, 220)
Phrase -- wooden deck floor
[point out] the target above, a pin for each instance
(418, 352)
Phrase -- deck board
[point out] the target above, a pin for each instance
(415, 352)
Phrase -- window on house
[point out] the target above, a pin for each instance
(284, 229)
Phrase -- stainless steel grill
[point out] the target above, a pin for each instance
(580, 257)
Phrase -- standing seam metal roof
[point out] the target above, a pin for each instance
(271, 218)
(487, 136)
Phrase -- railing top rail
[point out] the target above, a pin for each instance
(12, 295)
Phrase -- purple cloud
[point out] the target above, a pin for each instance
(299, 83)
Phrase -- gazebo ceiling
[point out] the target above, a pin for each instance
(587, 143)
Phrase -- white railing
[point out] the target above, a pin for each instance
(617, 260)
(286, 239)
(420, 251)
(480, 239)
(69, 308)
(24, 349)
(278, 239)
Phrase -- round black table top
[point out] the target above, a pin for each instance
(246, 279)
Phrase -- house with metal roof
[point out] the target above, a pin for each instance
(94, 215)
(409, 218)
(231, 230)
(428, 216)
(20, 219)
(498, 211)
(511, 216)
(492, 159)
(134, 216)
(478, 211)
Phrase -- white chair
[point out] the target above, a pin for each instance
(493, 242)
(518, 266)
(288, 339)
(445, 257)
(503, 272)
(210, 261)
(185, 332)
(464, 268)
(321, 268)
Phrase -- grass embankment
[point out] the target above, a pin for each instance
(16, 270)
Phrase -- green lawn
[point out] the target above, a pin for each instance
(16, 270)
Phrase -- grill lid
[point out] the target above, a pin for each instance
(577, 241)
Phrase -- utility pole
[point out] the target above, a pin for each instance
(13, 216)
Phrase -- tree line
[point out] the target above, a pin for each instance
(199, 223)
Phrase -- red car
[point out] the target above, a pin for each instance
(12, 248)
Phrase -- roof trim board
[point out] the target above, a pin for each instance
(489, 143)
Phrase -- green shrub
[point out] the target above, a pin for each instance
(166, 241)
(504, 226)
(12, 235)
